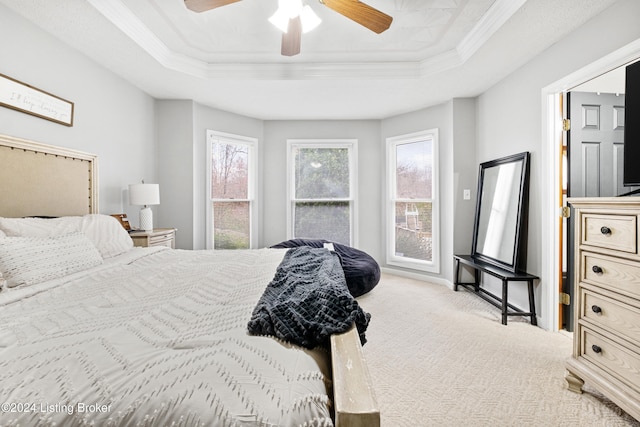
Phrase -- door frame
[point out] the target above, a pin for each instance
(551, 128)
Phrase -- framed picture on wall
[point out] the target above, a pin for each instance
(28, 99)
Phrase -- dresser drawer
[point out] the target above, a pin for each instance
(162, 240)
(611, 273)
(621, 317)
(615, 359)
(157, 237)
(616, 232)
(606, 351)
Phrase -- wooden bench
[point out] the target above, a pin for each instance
(506, 277)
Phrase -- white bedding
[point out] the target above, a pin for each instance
(155, 337)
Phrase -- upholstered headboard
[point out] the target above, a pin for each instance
(42, 180)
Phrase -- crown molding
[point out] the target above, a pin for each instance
(119, 15)
(487, 26)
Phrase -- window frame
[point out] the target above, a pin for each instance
(352, 146)
(252, 190)
(432, 266)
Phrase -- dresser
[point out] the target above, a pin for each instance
(157, 237)
(606, 340)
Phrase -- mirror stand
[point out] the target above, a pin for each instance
(500, 232)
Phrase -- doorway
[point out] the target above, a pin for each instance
(553, 115)
(594, 149)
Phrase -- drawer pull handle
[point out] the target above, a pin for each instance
(596, 309)
(596, 349)
(596, 269)
(605, 230)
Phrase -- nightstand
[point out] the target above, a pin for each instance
(157, 237)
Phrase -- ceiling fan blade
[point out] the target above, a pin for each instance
(292, 38)
(361, 13)
(204, 5)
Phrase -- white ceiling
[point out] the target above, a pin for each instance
(229, 57)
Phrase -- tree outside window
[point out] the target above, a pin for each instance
(231, 199)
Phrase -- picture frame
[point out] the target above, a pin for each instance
(27, 99)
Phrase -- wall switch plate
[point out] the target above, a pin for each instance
(466, 194)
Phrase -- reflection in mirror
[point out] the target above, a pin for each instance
(501, 212)
(498, 215)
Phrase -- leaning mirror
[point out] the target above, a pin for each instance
(499, 235)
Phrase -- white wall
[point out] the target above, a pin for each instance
(175, 152)
(112, 118)
(465, 172)
(509, 117)
(121, 124)
(182, 129)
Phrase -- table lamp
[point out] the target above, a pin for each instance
(145, 195)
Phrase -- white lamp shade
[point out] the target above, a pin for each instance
(144, 194)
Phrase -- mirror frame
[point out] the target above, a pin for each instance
(518, 260)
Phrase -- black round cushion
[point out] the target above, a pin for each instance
(361, 271)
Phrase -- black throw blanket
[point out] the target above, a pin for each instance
(308, 300)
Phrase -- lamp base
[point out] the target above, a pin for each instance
(146, 219)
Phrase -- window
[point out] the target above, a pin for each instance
(322, 187)
(412, 188)
(231, 187)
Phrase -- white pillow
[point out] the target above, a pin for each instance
(40, 227)
(2, 234)
(31, 260)
(107, 234)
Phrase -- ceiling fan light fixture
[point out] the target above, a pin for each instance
(291, 9)
(309, 19)
(280, 19)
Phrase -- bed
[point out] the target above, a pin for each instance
(102, 333)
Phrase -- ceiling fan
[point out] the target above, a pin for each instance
(355, 10)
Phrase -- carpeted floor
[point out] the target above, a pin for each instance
(442, 358)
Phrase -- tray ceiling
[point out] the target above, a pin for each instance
(229, 57)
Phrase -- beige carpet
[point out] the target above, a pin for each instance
(442, 358)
